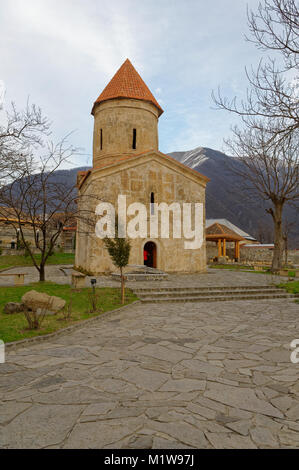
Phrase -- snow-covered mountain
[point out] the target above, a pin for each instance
(224, 195)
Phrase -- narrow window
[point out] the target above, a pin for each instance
(134, 139)
(101, 139)
(152, 203)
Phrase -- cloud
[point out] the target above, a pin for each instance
(63, 53)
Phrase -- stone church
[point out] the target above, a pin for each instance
(127, 161)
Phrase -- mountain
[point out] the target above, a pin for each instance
(225, 198)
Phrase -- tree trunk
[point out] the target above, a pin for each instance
(122, 280)
(286, 250)
(278, 238)
(42, 276)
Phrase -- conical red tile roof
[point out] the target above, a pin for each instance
(127, 83)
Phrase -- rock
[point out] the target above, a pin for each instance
(13, 307)
(35, 300)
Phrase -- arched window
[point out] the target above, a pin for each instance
(101, 139)
(134, 139)
(152, 203)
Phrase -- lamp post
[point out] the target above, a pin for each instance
(93, 285)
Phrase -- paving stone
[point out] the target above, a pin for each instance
(243, 398)
(59, 392)
(283, 403)
(9, 411)
(200, 366)
(40, 426)
(96, 435)
(206, 412)
(183, 432)
(145, 379)
(77, 395)
(163, 353)
(293, 412)
(99, 408)
(181, 385)
(160, 443)
(260, 379)
(139, 442)
(213, 405)
(241, 427)
(289, 438)
(263, 437)
(265, 421)
(229, 441)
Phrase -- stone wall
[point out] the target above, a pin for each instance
(266, 254)
(117, 119)
(138, 182)
(8, 235)
(251, 254)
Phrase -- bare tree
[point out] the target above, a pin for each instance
(267, 142)
(21, 132)
(273, 89)
(274, 26)
(288, 227)
(264, 233)
(270, 171)
(34, 197)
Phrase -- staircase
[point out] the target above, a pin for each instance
(210, 294)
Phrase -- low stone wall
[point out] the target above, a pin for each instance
(250, 254)
(265, 254)
(256, 254)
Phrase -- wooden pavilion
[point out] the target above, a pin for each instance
(220, 234)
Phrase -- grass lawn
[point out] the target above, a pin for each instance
(9, 261)
(14, 327)
(292, 287)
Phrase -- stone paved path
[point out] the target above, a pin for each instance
(213, 277)
(159, 376)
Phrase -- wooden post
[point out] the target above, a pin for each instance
(236, 251)
(219, 248)
(224, 247)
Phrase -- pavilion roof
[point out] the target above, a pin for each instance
(218, 231)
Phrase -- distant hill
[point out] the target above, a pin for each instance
(224, 196)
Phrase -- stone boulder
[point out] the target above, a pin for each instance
(13, 307)
(39, 300)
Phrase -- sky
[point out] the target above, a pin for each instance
(62, 53)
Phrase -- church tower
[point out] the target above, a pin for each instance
(125, 118)
(127, 162)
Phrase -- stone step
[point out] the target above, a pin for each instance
(157, 294)
(201, 289)
(217, 298)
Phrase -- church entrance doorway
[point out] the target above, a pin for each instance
(150, 254)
